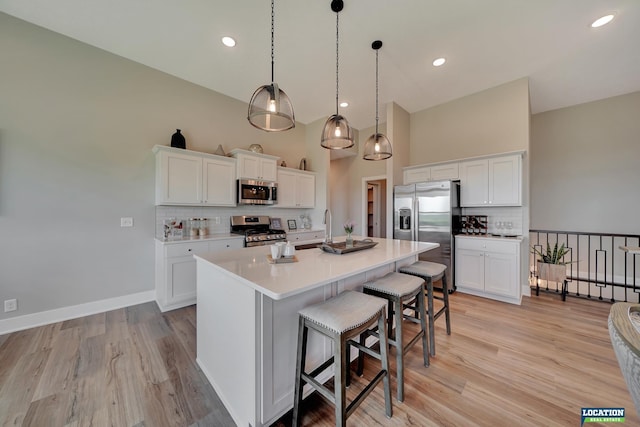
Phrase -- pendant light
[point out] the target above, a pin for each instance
(337, 134)
(377, 146)
(270, 108)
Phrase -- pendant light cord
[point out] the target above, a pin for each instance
(337, 58)
(272, 33)
(376, 91)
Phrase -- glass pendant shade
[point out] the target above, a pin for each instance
(337, 134)
(377, 147)
(270, 109)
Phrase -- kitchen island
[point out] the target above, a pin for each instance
(247, 318)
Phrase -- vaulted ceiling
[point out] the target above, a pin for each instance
(486, 43)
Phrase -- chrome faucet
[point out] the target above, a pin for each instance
(327, 228)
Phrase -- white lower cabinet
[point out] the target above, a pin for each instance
(176, 269)
(488, 268)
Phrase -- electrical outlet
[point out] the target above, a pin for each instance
(10, 305)
(126, 222)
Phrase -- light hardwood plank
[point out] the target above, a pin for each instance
(530, 365)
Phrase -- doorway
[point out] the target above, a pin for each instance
(374, 191)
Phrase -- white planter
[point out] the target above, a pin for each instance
(552, 272)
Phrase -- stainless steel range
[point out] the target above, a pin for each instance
(256, 230)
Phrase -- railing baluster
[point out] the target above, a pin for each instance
(603, 251)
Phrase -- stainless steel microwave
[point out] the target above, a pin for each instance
(254, 192)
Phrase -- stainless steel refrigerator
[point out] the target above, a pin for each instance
(429, 212)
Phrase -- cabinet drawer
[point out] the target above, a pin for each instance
(301, 237)
(487, 245)
(225, 244)
(184, 249)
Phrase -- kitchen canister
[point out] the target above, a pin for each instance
(177, 140)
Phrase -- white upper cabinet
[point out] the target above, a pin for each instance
(437, 172)
(219, 182)
(256, 166)
(421, 174)
(296, 189)
(474, 183)
(505, 181)
(496, 181)
(190, 178)
(445, 171)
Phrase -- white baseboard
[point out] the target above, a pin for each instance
(27, 321)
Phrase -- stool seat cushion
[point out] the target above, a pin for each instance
(345, 311)
(396, 284)
(424, 269)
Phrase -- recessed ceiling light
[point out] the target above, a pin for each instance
(228, 41)
(438, 62)
(602, 21)
(344, 104)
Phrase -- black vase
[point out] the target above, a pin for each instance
(177, 140)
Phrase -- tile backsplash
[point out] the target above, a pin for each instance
(223, 215)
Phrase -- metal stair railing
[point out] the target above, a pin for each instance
(597, 267)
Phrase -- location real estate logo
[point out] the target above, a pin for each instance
(602, 415)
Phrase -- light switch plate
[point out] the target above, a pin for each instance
(126, 222)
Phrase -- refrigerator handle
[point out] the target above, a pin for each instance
(414, 231)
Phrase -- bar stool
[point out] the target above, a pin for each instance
(431, 272)
(399, 290)
(341, 318)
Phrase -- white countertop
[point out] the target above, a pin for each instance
(314, 267)
(201, 239)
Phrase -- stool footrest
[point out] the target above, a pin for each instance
(365, 349)
(322, 367)
(365, 392)
(324, 391)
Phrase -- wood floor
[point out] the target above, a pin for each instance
(532, 365)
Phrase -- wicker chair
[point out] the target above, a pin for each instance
(624, 329)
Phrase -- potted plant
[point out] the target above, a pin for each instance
(348, 228)
(551, 266)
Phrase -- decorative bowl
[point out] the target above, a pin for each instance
(256, 148)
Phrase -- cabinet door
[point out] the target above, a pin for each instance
(178, 179)
(505, 187)
(268, 170)
(474, 181)
(181, 281)
(501, 276)
(286, 189)
(249, 167)
(470, 269)
(306, 191)
(411, 176)
(447, 171)
(219, 183)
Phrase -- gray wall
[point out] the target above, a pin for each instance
(492, 121)
(77, 126)
(585, 167)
